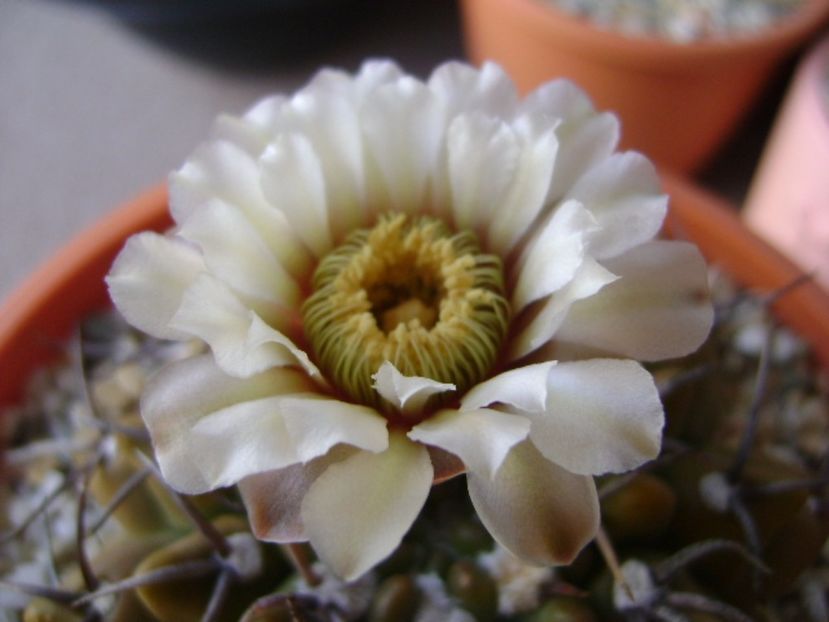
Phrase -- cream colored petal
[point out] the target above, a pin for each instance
(148, 279)
(357, 512)
(586, 137)
(374, 74)
(274, 432)
(273, 499)
(530, 185)
(293, 182)
(332, 126)
(185, 392)
(552, 259)
(590, 278)
(403, 128)
(658, 308)
(241, 132)
(465, 89)
(480, 438)
(524, 388)
(234, 252)
(535, 509)
(267, 112)
(241, 342)
(483, 155)
(601, 416)
(623, 193)
(406, 393)
(224, 171)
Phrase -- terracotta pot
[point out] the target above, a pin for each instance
(677, 102)
(789, 199)
(38, 317)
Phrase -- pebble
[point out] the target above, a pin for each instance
(682, 21)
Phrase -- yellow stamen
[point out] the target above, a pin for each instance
(408, 291)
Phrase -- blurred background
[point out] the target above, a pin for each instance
(99, 100)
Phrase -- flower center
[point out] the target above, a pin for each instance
(408, 291)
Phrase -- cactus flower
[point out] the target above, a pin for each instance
(398, 280)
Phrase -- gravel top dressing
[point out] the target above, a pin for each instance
(682, 21)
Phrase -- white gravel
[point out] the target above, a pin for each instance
(682, 21)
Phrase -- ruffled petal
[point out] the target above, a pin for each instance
(241, 132)
(273, 499)
(623, 193)
(530, 185)
(601, 416)
(538, 511)
(554, 256)
(241, 342)
(483, 155)
(224, 171)
(406, 393)
(591, 417)
(657, 309)
(331, 124)
(524, 388)
(148, 279)
(357, 512)
(586, 137)
(465, 89)
(185, 392)
(292, 180)
(590, 278)
(234, 252)
(403, 126)
(274, 432)
(480, 438)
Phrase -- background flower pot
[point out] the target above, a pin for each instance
(37, 318)
(789, 199)
(677, 102)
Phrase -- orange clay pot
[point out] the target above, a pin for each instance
(677, 102)
(36, 320)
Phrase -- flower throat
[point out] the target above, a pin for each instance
(412, 292)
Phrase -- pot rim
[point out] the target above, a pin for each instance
(34, 327)
(654, 50)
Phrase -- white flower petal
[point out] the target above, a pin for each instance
(524, 388)
(274, 432)
(483, 155)
(535, 509)
(148, 279)
(357, 512)
(590, 278)
(240, 132)
(224, 171)
(234, 251)
(403, 128)
(586, 137)
(623, 193)
(293, 182)
(407, 393)
(554, 256)
(530, 186)
(273, 499)
(465, 89)
(480, 438)
(332, 126)
(267, 112)
(601, 416)
(183, 393)
(657, 309)
(241, 342)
